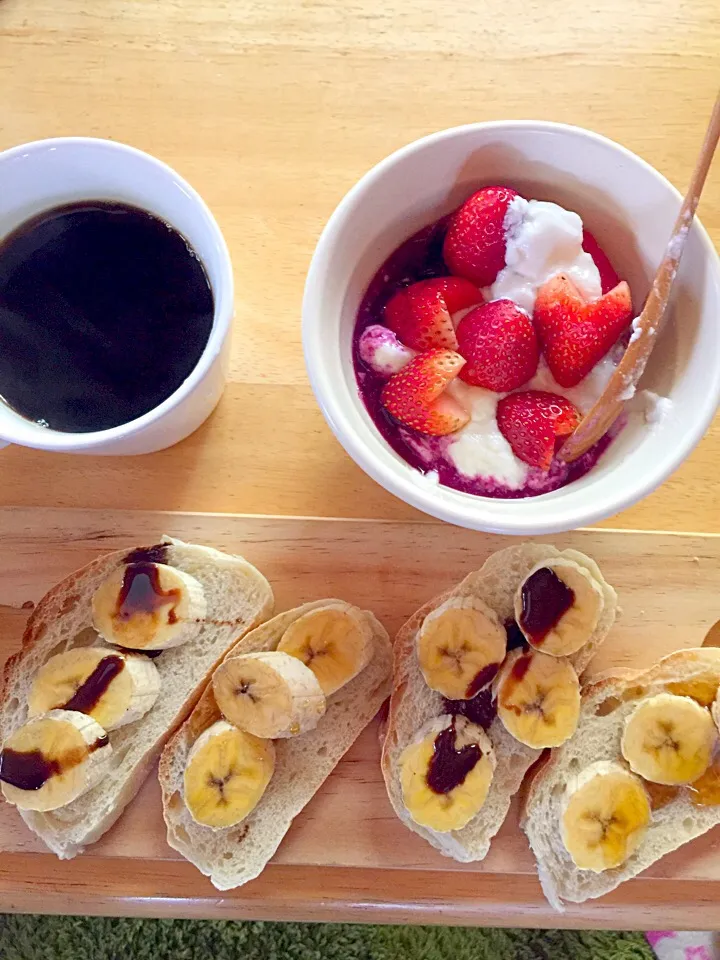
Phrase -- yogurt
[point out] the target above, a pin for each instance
(480, 450)
(381, 350)
(655, 408)
(542, 239)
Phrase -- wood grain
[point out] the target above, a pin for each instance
(152, 889)
(348, 835)
(272, 110)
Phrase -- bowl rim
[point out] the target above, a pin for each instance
(476, 512)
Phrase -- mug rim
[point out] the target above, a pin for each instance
(223, 308)
(494, 515)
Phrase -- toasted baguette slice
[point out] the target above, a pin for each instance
(238, 598)
(413, 703)
(606, 704)
(232, 856)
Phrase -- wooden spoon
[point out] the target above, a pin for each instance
(647, 326)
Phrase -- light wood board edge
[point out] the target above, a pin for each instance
(348, 521)
(102, 887)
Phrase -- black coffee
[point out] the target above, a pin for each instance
(104, 311)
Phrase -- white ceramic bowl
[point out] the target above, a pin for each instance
(624, 202)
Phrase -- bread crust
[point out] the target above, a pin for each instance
(412, 703)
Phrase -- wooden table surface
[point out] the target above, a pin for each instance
(272, 109)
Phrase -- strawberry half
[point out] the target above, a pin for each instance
(474, 245)
(500, 346)
(608, 277)
(534, 422)
(458, 294)
(415, 397)
(420, 314)
(575, 333)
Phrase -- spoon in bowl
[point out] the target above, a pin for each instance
(646, 327)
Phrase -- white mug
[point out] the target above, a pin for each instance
(40, 175)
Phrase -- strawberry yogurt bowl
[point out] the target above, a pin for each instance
(467, 304)
(511, 308)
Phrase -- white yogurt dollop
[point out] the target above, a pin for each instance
(381, 350)
(586, 393)
(543, 239)
(655, 408)
(479, 449)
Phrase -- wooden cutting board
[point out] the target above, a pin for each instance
(347, 856)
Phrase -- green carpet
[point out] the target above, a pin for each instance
(85, 938)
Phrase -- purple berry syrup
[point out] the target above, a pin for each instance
(420, 258)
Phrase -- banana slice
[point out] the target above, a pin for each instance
(460, 647)
(446, 773)
(669, 739)
(53, 760)
(335, 642)
(538, 698)
(111, 687)
(558, 606)
(148, 606)
(226, 774)
(605, 815)
(269, 694)
(703, 688)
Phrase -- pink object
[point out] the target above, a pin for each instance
(692, 945)
(655, 936)
(381, 350)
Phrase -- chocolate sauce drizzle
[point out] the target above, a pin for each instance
(31, 769)
(448, 766)
(88, 695)
(545, 598)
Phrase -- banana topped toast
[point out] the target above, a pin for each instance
(485, 677)
(281, 711)
(112, 660)
(640, 778)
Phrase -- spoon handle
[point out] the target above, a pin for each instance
(647, 326)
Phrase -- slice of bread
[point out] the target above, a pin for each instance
(234, 855)
(413, 703)
(606, 704)
(238, 598)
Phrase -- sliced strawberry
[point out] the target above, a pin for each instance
(500, 346)
(415, 395)
(575, 333)
(459, 294)
(474, 245)
(420, 315)
(534, 422)
(420, 318)
(608, 277)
